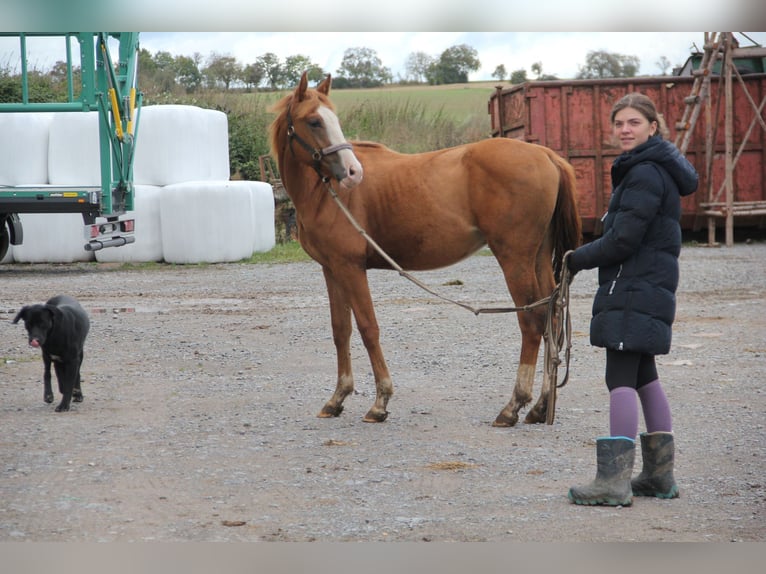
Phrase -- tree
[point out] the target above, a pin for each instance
(537, 68)
(272, 67)
(603, 64)
(253, 75)
(362, 68)
(500, 73)
(453, 65)
(222, 70)
(417, 65)
(519, 76)
(315, 73)
(164, 71)
(188, 73)
(663, 64)
(293, 70)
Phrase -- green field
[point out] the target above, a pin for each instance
(416, 118)
(409, 119)
(455, 100)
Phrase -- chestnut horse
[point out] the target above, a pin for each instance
(425, 211)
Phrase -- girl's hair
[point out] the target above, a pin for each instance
(645, 106)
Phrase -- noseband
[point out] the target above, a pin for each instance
(316, 153)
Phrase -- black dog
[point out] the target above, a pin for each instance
(59, 329)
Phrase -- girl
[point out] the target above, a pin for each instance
(634, 307)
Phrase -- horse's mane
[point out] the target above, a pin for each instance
(369, 144)
(280, 109)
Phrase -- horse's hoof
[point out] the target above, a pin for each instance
(48, 398)
(535, 416)
(504, 421)
(62, 408)
(375, 416)
(77, 398)
(329, 411)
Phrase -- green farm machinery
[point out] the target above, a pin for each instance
(100, 84)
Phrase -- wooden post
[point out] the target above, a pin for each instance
(709, 155)
(729, 135)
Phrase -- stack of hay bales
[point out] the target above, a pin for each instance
(186, 209)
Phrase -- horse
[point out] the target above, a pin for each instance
(425, 211)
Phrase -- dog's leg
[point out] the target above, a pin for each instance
(66, 374)
(77, 395)
(47, 390)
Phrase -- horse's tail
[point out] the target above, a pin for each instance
(566, 226)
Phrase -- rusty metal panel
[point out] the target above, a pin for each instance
(572, 118)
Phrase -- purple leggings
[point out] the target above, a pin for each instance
(631, 377)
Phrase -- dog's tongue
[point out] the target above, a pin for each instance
(34, 343)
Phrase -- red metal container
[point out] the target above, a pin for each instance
(572, 118)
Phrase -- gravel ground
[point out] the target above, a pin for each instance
(202, 385)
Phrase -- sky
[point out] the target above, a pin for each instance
(545, 31)
(562, 54)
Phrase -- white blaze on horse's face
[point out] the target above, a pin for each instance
(347, 170)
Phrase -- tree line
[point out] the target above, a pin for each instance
(361, 67)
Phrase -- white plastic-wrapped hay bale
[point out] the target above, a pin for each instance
(24, 148)
(264, 236)
(52, 238)
(206, 222)
(74, 157)
(177, 143)
(148, 243)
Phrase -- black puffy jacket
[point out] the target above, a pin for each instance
(637, 255)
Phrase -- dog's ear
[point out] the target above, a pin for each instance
(21, 315)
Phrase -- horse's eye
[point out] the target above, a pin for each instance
(314, 123)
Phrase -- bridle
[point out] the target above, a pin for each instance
(317, 154)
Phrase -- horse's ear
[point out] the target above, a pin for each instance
(324, 87)
(300, 91)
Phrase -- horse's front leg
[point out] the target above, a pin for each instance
(357, 289)
(340, 317)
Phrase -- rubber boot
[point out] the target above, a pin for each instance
(611, 487)
(656, 477)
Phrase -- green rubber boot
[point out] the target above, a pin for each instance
(611, 487)
(656, 477)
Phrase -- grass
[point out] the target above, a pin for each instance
(438, 116)
(409, 119)
(289, 252)
(456, 101)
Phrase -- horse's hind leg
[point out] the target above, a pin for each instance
(544, 271)
(531, 335)
(524, 287)
(340, 316)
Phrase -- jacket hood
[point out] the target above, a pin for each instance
(665, 154)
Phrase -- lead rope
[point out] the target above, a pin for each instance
(558, 324)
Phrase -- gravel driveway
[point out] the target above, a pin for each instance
(202, 385)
